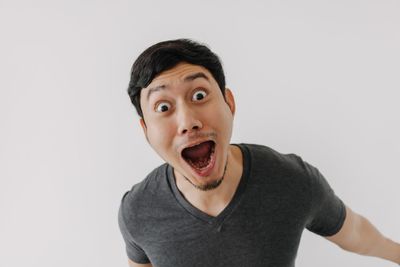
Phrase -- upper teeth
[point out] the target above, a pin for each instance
(197, 144)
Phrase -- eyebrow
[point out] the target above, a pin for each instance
(189, 78)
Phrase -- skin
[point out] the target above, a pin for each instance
(185, 121)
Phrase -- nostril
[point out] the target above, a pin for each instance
(190, 128)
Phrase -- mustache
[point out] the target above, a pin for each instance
(197, 136)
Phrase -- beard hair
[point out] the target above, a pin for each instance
(212, 185)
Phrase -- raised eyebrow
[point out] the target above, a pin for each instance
(188, 78)
(155, 89)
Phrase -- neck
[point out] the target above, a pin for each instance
(216, 199)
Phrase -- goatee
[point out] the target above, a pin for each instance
(209, 186)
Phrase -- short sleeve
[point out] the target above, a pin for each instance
(133, 250)
(327, 210)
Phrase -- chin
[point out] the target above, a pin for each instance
(209, 185)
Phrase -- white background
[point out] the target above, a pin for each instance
(315, 78)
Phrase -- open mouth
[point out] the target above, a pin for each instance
(200, 157)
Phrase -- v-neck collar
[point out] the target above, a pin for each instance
(216, 220)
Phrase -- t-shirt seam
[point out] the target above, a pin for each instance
(174, 193)
(339, 223)
(310, 186)
(246, 175)
(215, 221)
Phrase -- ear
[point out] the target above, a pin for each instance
(230, 100)
(144, 127)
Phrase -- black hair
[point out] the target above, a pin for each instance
(166, 55)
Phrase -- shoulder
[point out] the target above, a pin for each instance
(269, 157)
(288, 170)
(141, 193)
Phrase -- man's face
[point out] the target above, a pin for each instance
(184, 107)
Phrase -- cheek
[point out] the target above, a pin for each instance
(225, 123)
(161, 136)
(225, 119)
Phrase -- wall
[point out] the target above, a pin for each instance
(315, 78)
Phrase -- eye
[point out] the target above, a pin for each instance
(199, 95)
(163, 107)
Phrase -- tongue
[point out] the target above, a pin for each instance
(200, 151)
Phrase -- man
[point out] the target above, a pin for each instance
(219, 204)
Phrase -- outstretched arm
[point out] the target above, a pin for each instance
(358, 235)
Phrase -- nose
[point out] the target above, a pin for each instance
(188, 120)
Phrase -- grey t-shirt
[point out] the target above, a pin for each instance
(278, 196)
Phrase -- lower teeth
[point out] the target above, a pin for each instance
(205, 163)
(199, 165)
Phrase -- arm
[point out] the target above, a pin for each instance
(358, 235)
(134, 264)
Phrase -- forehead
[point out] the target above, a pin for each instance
(178, 74)
(181, 73)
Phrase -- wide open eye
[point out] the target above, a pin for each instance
(163, 107)
(199, 95)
